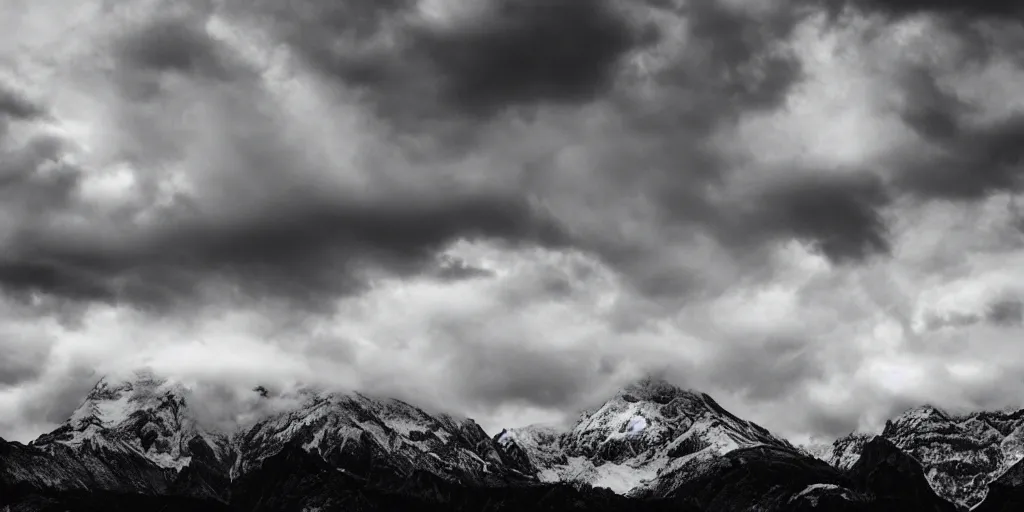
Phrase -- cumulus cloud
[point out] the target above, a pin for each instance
(508, 208)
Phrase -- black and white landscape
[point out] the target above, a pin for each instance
(137, 445)
(299, 242)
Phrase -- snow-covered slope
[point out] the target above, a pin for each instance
(149, 417)
(648, 429)
(128, 437)
(144, 415)
(960, 454)
(844, 452)
(535, 449)
(360, 435)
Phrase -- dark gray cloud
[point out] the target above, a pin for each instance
(971, 165)
(181, 45)
(53, 404)
(25, 357)
(734, 67)
(741, 61)
(979, 161)
(178, 44)
(303, 252)
(526, 51)
(511, 52)
(839, 215)
(269, 233)
(1008, 312)
(522, 52)
(840, 421)
(16, 105)
(833, 424)
(778, 367)
(935, 322)
(932, 111)
(34, 178)
(734, 64)
(991, 9)
(493, 372)
(513, 376)
(966, 161)
(506, 53)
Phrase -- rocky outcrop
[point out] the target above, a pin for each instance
(895, 479)
(1005, 493)
(960, 455)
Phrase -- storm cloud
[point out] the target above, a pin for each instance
(1006, 312)
(966, 160)
(507, 208)
(490, 56)
(301, 251)
(991, 9)
(15, 105)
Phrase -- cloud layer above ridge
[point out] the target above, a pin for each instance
(808, 210)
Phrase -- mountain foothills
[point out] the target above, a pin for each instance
(137, 445)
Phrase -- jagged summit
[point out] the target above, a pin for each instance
(111, 401)
(140, 414)
(648, 428)
(361, 434)
(138, 434)
(921, 413)
(960, 454)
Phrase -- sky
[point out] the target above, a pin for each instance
(507, 209)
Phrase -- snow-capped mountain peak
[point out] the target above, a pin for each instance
(143, 414)
(924, 416)
(110, 403)
(647, 429)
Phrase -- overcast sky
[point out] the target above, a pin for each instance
(506, 209)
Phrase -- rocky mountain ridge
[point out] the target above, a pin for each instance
(961, 454)
(652, 446)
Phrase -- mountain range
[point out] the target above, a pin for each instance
(137, 444)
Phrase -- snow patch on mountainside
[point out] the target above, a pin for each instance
(636, 425)
(815, 492)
